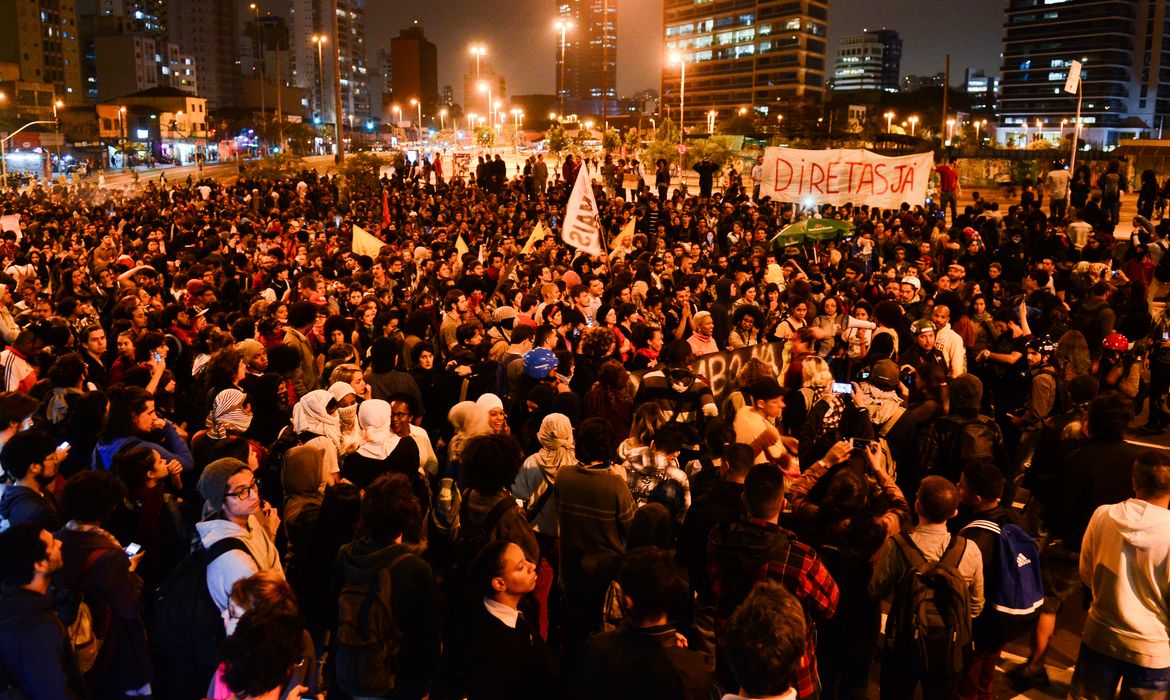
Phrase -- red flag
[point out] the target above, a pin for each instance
(385, 209)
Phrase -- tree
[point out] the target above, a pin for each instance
(665, 144)
(299, 137)
(633, 141)
(276, 167)
(361, 172)
(740, 124)
(611, 140)
(555, 139)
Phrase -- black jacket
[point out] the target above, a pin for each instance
(636, 663)
(34, 647)
(722, 504)
(20, 505)
(506, 663)
(413, 603)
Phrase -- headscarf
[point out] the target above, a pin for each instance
(311, 414)
(468, 419)
(377, 439)
(227, 414)
(556, 441)
(489, 402)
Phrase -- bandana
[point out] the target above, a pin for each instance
(227, 414)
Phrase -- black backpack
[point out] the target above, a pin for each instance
(951, 443)
(368, 637)
(930, 618)
(187, 627)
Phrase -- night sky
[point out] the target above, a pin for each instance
(523, 44)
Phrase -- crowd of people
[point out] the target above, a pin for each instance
(242, 460)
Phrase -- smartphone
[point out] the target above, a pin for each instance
(157, 357)
(860, 443)
(133, 548)
(63, 446)
(1166, 335)
(842, 388)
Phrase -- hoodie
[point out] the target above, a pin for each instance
(412, 602)
(235, 565)
(1124, 561)
(20, 504)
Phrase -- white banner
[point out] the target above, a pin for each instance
(837, 176)
(582, 228)
(1073, 83)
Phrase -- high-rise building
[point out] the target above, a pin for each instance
(415, 71)
(126, 63)
(871, 60)
(588, 76)
(1124, 47)
(743, 53)
(482, 71)
(982, 89)
(259, 46)
(310, 18)
(207, 30)
(41, 37)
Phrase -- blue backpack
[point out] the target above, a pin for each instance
(1020, 590)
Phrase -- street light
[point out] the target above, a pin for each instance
(913, 124)
(950, 129)
(254, 7)
(1039, 127)
(4, 154)
(398, 118)
(415, 102)
(1062, 123)
(442, 119)
(711, 121)
(979, 123)
(679, 58)
(562, 25)
(320, 40)
(57, 130)
(889, 121)
(478, 50)
(122, 135)
(486, 88)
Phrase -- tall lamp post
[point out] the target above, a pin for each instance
(563, 26)
(319, 40)
(4, 152)
(889, 121)
(397, 116)
(260, 51)
(122, 135)
(417, 103)
(335, 59)
(57, 104)
(442, 120)
(491, 106)
(478, 50)
(913, 124)
(682, 93)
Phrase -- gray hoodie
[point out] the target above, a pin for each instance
(235, 565)
(1125, 560)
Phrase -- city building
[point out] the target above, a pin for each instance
(481, 71)
(415, 72)
(587, 72)
(266, 46)
(754, 54)
(41, 36)
(166, 124)
(208, 32)
(1124, 46)
(914, 83)
(871, 60)
(120, 59)
(312, 61)
(983, 90)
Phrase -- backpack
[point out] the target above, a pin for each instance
(187, 626)
(368, 637)
(83, 633)
(1019, 587)
(1162, 270)
(1110, 186)
(930, 618)
(951, 443)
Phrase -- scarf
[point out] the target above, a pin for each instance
(227, 414)
(311, 414)
(556, 442)
(377, 439)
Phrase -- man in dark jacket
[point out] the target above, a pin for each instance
(31, 458)
(35, 653)
(391, 522)
(643, 659)
(1094, 317)
(722, 504)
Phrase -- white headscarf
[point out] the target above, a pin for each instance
(556, 441)
(377, 439)
(489, 402)
(227, 413)
(311, 414)
(469, 419)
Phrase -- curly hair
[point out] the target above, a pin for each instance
(491, 462)
(597, 343)
(92, 496)
(390, 510)
(257, 657)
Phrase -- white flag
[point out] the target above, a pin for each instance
(1074, 78)
(365, 243)
(539, 233)
(582, 219)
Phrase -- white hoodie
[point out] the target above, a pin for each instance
(223, 573)
(1125, 560)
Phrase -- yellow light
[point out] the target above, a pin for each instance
(413, 102)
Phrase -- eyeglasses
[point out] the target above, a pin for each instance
(245, 492)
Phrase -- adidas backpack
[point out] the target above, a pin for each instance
(1019, 587)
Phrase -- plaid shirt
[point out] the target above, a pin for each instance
(742, 554)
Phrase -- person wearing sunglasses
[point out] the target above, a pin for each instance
(233, 509)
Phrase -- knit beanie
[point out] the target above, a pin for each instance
(966, 394)
(213, 482)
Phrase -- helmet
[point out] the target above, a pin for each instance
(539, 363)
(1116, 342)
(1044, 345)
(922, 325)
